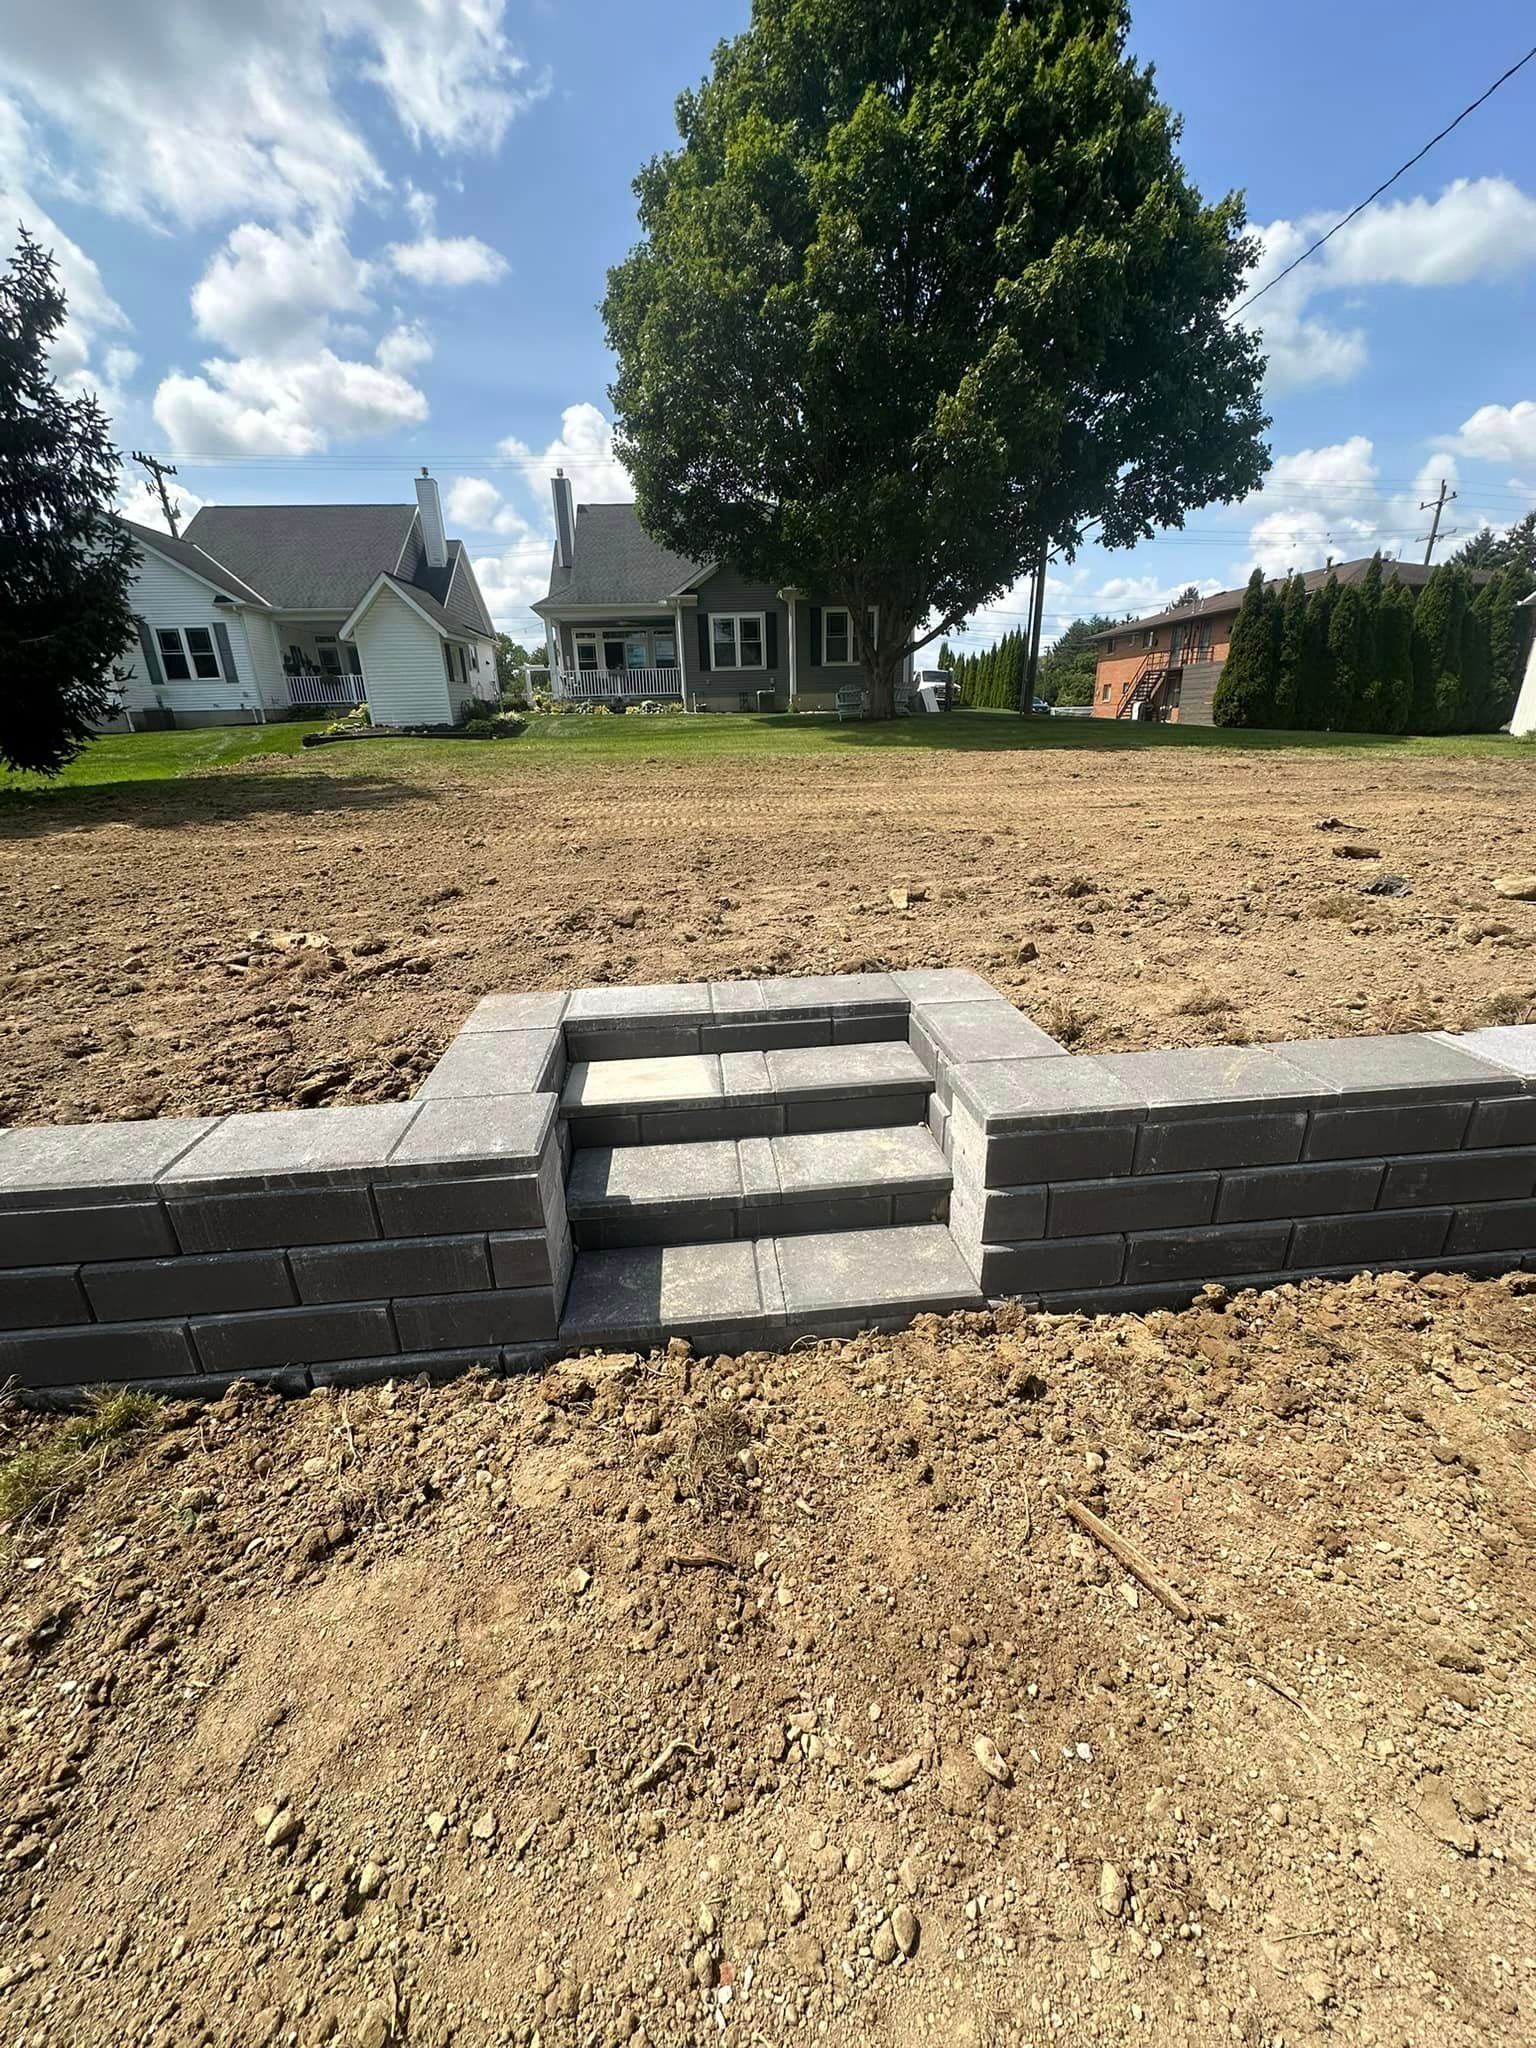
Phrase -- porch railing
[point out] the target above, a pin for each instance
(633, 685)
(315, 687)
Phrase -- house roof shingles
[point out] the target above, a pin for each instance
(615, 561)
(305, 557)
(1414, 574)
(186, 556)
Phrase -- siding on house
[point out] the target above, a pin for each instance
(402, 660)
(816, 683)
(1124, 655)
(164, 595)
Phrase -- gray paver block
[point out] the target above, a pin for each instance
(382, 1271)
(62, 1237)
(293, 1336)
(661, 1287)
(1329, 1189)
(140, 1289)
(1394, 1127)
(680, 1224)
(744, 1075)
(1206, 1254)
(517, 1012)
(1494, 1227)
(1091, 1150)
(759, 1171)
(770, 1284)
(915, 1267)
(1405, 1065)
(1045, 1093)
(448, 1322)
(447, 1208)
(525, 1258)
(412, 1365)
(613, 1086)
(998, 1215)
(810, 1215)
(95, 1352)
(845, 1113)
(1058, 1262)
(1458, 1177)
(966, 1032)
(1199, 1081)
(68, 1165)
(880, 1157)
(607, 1178)
(885, 1067)
(831, 993)
(866, 1027)
(945, 985)
(638, 1041)
(234, 1223)
(765, 1033)
(497, 1063)
(475, 1137)
(1507, 1045)
(1217, 1143)
(740, 1118)
(1094, 1208)
(615, 1005)
(290, 1148)
(1369, 1239)
(1509, 1120)
(41, 1298)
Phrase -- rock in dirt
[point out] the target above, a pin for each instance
(883, 1948)
(1387, 885)
(1438, 1812)
(991, 1760)
(1521, 888)
(1113, 1891)
(897, 1776)
(905, 1927)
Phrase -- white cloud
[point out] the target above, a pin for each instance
(458, 259)
(584, 449)
(140, 501)
(262, 405)
(511, 580)
(1500, 433)
(404, 348)
(1477, 231)
(195, 109)
(278, 291)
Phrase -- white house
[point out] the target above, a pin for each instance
(1523, 724)
(268, 611)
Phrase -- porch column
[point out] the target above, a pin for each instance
(790, 597)
(682, 651)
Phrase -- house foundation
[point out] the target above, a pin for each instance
(745, 1164)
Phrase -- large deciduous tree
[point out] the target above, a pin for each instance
(66, 564)
(924, 292)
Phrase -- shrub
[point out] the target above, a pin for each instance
(350, 721)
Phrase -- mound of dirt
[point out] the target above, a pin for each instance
(763, 1699)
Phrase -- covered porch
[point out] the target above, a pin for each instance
(320, 669)
(634, 660)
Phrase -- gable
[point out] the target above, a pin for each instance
(305, 557)
(615, 561)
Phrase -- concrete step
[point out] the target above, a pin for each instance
(689, 1097)
(755, 1187)
(763, 1293)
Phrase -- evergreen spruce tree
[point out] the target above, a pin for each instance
(1248, 688)
(1293, 643)
(1347, 647)
(1314, 710)
(66, 564)
(1370, 708)
(1474, 706)
(946, 658)
(1437, 628)
(1394, 658)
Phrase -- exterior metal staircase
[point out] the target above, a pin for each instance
(1148, 683)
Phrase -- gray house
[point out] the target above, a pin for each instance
(626, 618)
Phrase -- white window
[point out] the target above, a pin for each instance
(666, 649)
(837, 637)
(187, 652)
(736, 639)
(586, 650)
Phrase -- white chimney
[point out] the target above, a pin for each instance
(432, 520)
(565, 520)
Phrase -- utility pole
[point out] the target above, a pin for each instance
(1032, 657)
(1438, 506)
(160, 471)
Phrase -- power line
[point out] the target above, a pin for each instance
(1355, 212)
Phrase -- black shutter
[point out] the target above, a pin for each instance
(874, 626)
(226, 652)
(817, 651)
(154, 674)
(771, 649)
(703, 640)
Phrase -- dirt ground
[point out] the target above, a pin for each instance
(308, 931)
(771, 1699)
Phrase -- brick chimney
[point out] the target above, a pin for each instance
(432, 532)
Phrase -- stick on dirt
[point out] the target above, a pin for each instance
(1127, 1553)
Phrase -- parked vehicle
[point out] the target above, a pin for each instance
(1043, 709)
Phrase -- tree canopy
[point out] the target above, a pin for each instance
(1513, 549)
(924, 291)
(66, 564)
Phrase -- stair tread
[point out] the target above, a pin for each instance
(704, 1080)
(736, 1173)
(758, 1287)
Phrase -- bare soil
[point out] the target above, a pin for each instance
(558, 1710)
(314, 930)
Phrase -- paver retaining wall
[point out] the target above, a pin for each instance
(348, 1243)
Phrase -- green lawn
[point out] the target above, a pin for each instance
(169, 756)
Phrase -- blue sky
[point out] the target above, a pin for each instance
(311, 244)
